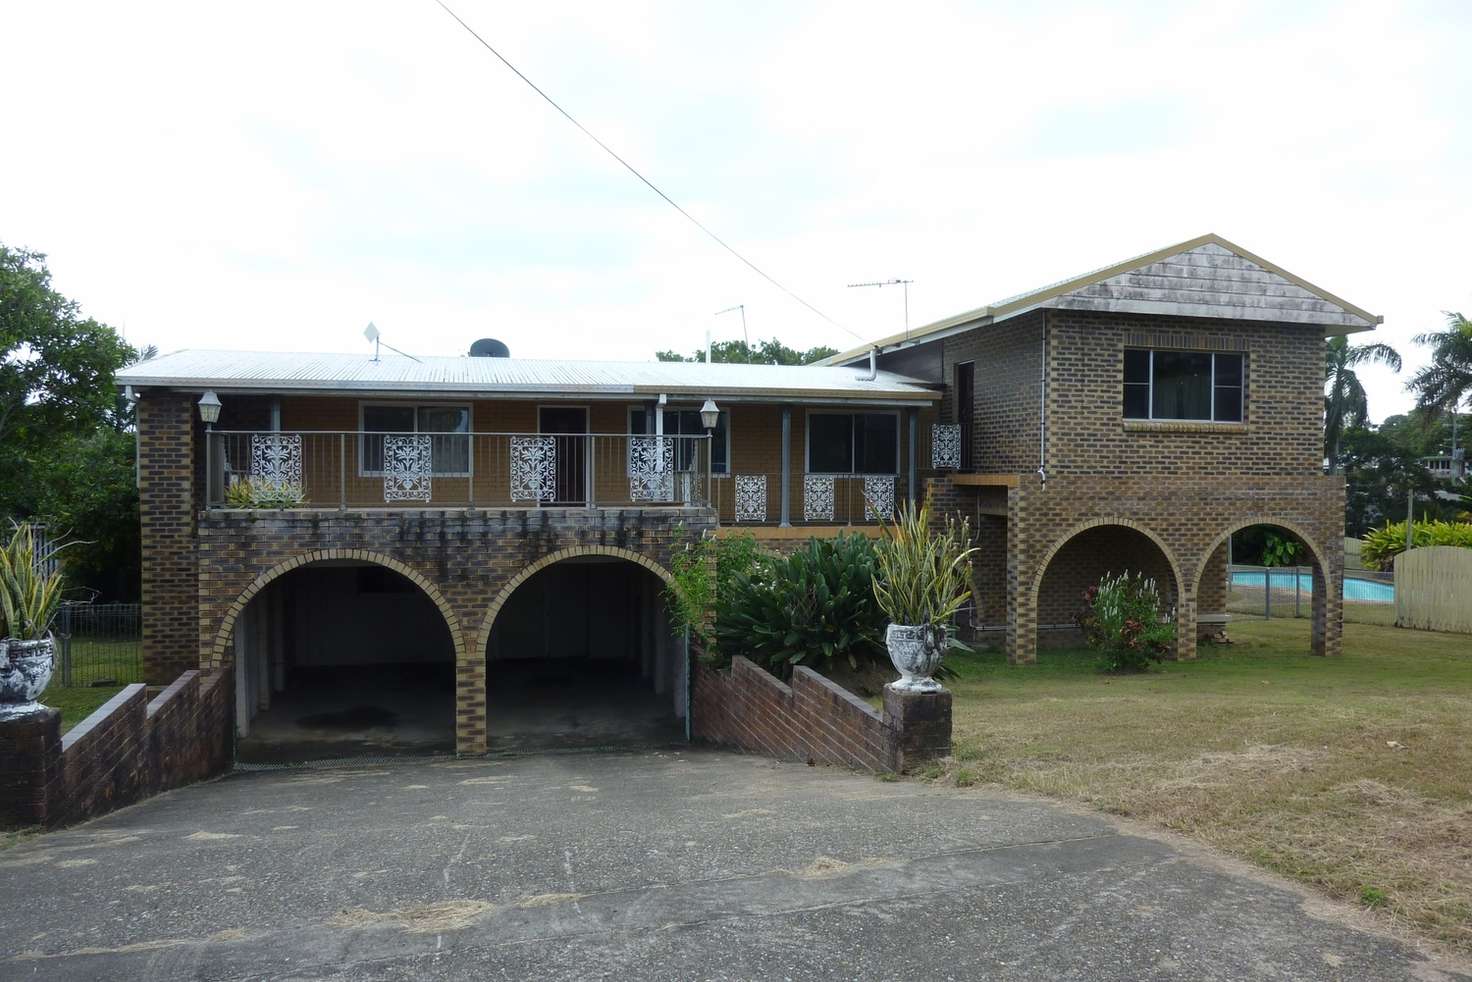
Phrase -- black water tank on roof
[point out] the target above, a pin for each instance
(489, 348)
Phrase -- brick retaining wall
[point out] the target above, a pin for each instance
(816, 720)
(129, 749)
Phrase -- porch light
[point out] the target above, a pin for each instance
(710, 415)
(209, 407)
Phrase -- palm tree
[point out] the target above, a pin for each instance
(1446, 383)
(1345, 403)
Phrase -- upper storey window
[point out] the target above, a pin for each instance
(1195, 385)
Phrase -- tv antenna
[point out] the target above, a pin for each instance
(741, 307)
(895, 282)
(372, 333)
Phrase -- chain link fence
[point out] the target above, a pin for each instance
(99, 644)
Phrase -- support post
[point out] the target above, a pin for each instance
(590, 456)
(209, 466)
(914, 468)
(342, 472)
(786, 482)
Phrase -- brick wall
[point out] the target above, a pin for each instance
(130, 748)
(167, 504)
(1281, 432)
(1008, 358)
(815, 720)
(1188, 519)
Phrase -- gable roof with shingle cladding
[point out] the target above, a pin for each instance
(1207, 281)
(1202, 277)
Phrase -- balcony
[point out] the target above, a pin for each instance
(319, 470)
(355, 469)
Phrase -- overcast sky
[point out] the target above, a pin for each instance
(275, 175)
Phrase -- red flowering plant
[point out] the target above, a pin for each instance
(1123, 622)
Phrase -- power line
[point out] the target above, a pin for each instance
(632, 170)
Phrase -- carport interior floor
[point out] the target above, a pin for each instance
(355, 711)
(533, 704)
(548, 704)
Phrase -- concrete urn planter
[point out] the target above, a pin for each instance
(25, 670)
(916, 651)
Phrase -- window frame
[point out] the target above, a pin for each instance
(807, 444)
(1150, 416)
(725, 414)
(364, 433)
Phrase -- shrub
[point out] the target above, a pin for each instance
(1122, 621)
(29, 598)
(703, 570)
(924, 574)
(248, 492)
(1379, 548)
(814, 607)
(1280, 550)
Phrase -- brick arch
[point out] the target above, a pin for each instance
(1298, 530)
(548, 560)
(1072, 533)
(227, 626)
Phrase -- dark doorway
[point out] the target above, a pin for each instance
(966, 408)
(568, 426)
(580, 656)
(343, 660)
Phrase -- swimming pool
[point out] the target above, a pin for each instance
(1369, 591)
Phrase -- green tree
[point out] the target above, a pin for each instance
(86, 491)
(1380, 467)
(66, 450)
(1345, 403)
(770, 352)
(1446, 383)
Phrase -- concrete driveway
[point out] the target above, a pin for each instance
(655, 865)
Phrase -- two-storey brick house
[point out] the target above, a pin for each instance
(468, 533)
(1135, 418)
(456, 525)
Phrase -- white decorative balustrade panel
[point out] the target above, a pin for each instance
(751, 497)
(945, 446)
(408, 468)
(533, 468)
(878, 498)
(651, 468)
(817, 498)
(276, 459)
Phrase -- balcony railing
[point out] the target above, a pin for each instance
(334, 470)
(755, 498)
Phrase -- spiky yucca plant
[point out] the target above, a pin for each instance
(924, 573)
(29, 599)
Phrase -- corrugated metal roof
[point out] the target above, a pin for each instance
(277, 371)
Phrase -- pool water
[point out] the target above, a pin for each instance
(1370, 591)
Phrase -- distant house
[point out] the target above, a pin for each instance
(468, 517)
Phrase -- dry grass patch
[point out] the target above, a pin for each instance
(1352, 773)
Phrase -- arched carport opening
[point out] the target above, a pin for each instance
(1081, 559)
(579, 653)
(1269, 567)
(339, 658)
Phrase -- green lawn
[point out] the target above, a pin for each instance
(115, 663)
(1352, 773)
(76, 702)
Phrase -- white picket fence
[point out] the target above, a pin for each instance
(1433, 589)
